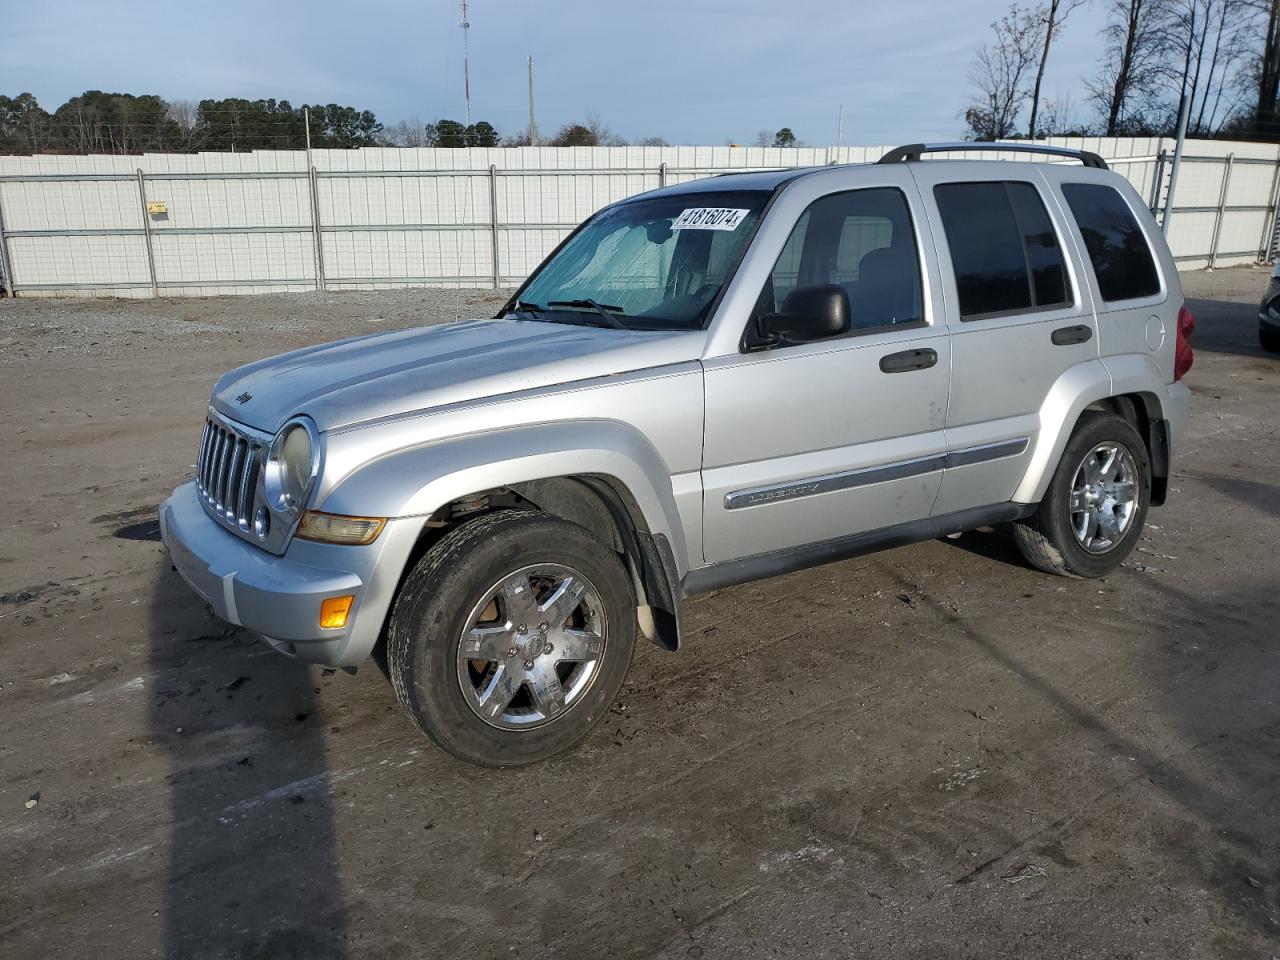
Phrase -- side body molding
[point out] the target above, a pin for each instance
(416, 481)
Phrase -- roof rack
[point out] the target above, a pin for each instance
(913, 151)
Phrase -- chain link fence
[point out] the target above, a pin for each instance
(207, 224)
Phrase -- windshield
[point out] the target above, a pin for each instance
(656, 263)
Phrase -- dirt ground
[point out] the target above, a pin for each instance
(933, 752)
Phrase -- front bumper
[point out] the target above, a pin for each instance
(278, 598)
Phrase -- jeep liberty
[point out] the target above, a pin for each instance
(703, 385)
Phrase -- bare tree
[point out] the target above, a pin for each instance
(85, 129)
(1267, 68)
(600, 132)
(1054, 13)
(1137, 41)
(1231, 52)
(1188, 30)
(763, 139)
(182, 113)
(1231, 99)
(411, 133)
(1056, 116)
(1210, 37)
(1000, 71)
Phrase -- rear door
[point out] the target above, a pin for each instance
(1137, 317)
(814, 441)
(1019, 314)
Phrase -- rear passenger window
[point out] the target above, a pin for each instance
(1003, 248)
(862, 240)
(1119, 252)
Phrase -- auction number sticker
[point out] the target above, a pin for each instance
(709, 218)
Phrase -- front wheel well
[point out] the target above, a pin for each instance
(601, 504)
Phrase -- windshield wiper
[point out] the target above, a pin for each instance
(607, 311)
(531, 309)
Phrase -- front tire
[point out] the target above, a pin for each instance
(511, 637)
(1092, 514)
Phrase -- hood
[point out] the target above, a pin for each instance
(366, 378)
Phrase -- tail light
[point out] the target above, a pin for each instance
(1182, 354)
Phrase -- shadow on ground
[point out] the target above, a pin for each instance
(1199, 655)
(1253, 493)
(1223, 327)
(248, 876)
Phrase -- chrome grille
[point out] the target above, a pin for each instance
(227, 473)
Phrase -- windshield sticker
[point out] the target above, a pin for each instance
(709, 218)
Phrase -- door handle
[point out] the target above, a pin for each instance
(907, 360)
(1067, 335)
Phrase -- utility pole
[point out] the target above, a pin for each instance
(1184, 110)
(839, 126)
(533, 124)
(466, 61)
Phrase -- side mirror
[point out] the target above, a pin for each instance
(808, 313)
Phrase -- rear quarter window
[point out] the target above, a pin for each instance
(1118, 250)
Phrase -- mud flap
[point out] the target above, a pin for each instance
(659, 575)
(1158, 448)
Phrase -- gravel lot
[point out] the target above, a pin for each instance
(932, 752)
(113, 329)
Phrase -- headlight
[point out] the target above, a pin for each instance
(291, 466)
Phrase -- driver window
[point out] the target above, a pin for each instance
(862, 240)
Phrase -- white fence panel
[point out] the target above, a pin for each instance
(262, 221)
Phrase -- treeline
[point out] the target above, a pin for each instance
(98, 122)
(590, 132)
(123, 123)
(1221, 56)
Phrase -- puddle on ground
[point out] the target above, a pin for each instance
(147, 530)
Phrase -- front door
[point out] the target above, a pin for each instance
(815, 441)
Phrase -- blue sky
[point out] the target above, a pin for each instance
(700, 71)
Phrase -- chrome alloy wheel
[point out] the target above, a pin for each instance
(532, 646)
(1104, 497)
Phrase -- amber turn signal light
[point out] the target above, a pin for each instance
(334, 528)
(335, 610)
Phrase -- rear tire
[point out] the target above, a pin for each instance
(1092, 514)
(1269, 340)
(511, 637)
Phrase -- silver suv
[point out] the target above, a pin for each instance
(702, 385)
